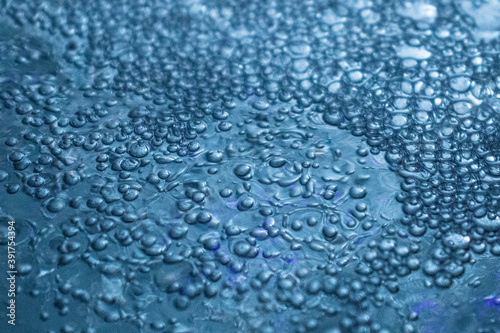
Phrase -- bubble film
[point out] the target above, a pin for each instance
(267, 166)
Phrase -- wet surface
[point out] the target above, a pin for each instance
(274, 166)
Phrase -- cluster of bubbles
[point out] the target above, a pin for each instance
(248, 166)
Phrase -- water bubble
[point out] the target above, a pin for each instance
(138, 150)
(357, 192)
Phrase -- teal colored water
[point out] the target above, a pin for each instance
(250, 166)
